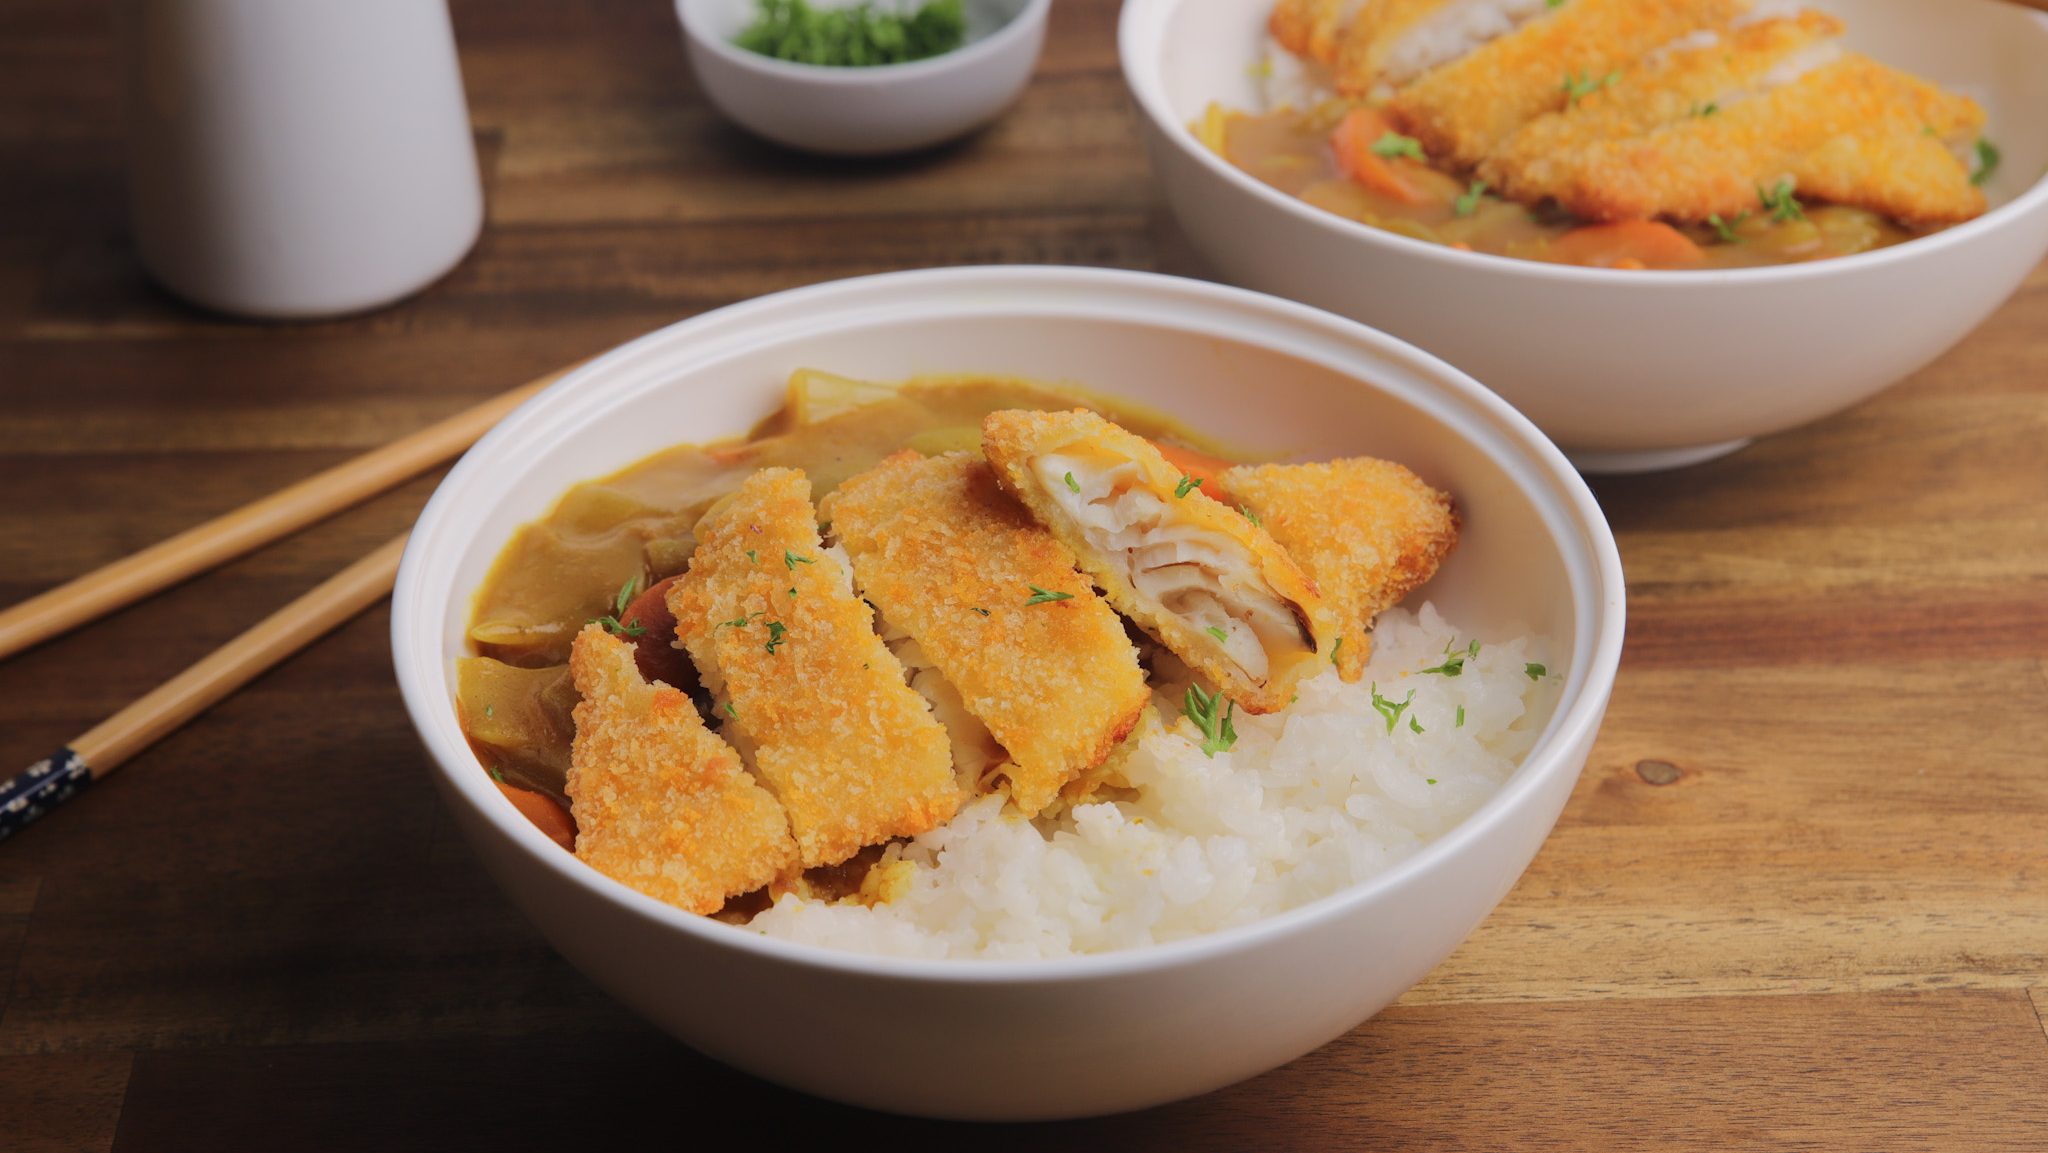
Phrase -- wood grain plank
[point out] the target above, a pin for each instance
(1699, 1074)
(67, 1104)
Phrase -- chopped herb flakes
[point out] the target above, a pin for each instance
(1219, 634)
(1724, 230)
(490, 710)
(1218, 732)
(1041, 596)
(1553, 3)
(1782, 204)
(730, 711)
(1585, 84)
(1072, 484)
(776, 629)
(753, 556)
(1431, 780)
(1988, 159)
(739, 622)
(1414, 724)
(1454, 663)
(1251, 516)
(1701, 111)
(979, 609)
(611, 622)
(860, 35)
(1392, 144)
(790, 560)
(497, 776)
(1536, 672)
(1468, 204)
(1391, 710)
(1187, 485)
(1334, 649)
(1461, 718)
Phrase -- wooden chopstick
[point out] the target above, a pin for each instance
(282, 513)
(106, 746)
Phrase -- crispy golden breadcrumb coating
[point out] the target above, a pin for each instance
(1852, 132)
(1201, 578)
(660, 803)
(947, 557)
(1369, 531)
(1467, 109)
(1665, 88)
(815, 697)
(1369, 45)
(1311, 29)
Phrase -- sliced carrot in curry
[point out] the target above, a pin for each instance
(1198, 466)
(1628, 244)
(1360, 129)
(547, 815)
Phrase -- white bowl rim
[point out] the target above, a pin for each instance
(423, 684)
(1141, 76)
(1031, 15)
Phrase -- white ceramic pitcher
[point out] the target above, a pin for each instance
(297, 158)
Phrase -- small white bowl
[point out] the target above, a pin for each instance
(1628, 371)
(873, 111)
(1078, 1036)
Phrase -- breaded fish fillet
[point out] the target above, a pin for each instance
(1391, 42)
(1852, 132)
(1671, 85)
(815, 697)
(661, 803)
(1465, 110)
(1204, 580)
(1369, 531)
(945, 555)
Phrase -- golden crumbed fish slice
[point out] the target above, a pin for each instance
(1368, 531)
(1201, 578)
(945, 555)
(661, 803)
(815, 698)
(1699, 78)
(1465, 110)
(1391, 42)
(1311, 29)
(1851, 132)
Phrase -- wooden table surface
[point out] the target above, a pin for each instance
(1798, 901)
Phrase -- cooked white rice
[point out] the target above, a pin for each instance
(1318, 797)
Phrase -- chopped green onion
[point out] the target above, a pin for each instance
(1219, 634)
(1218, 732)
(1390, 709)
(1041, 596)
(1187, 485)
(1468, 204)
(1988, 159)
(1536, 672)
(1392, 144)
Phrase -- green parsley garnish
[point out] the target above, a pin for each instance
(1414, 724)
(1783, 205)
(1072, 484)
(1391, 709)
(497, 776)
(1334, 648)
(1251, 516)
(1468, 204)
(611, 622)
(1454, 663)
(1187, 485)
(1536, 672)
(792, 590)
(1219, 634)
(775, 631)
(739, 622)
(1988, 159)
(1585, 84)
(1431, 780)
(854, 37)
(753, 556)
(1461, 718)
(730, 711)
(1724, 230)
(1041, 596)
(1700, 111)
(1392, 144)
(1218, 732)
(790, 560)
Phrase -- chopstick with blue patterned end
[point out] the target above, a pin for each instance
(108, 745)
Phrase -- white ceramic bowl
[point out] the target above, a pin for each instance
(997, 1039)
(866, 111)
(1626, 370)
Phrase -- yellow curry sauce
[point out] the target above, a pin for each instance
(633, 529)
(1344, 159)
